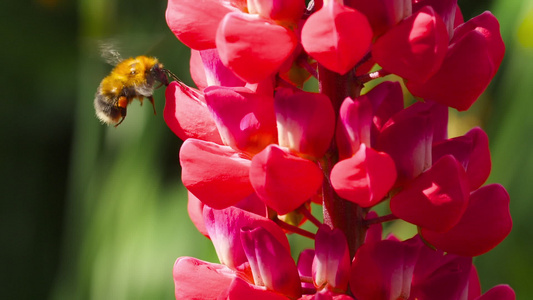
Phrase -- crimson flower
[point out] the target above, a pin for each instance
(259, 149)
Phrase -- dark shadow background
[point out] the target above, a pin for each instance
(90, 212)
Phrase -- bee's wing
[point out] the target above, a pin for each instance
(109, 52)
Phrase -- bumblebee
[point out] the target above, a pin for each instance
(132, 78)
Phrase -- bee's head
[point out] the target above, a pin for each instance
(159, 74)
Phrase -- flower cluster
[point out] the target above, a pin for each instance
(258, 149)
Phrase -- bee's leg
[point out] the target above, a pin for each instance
(141, 99)
(151, 98)
(122, 105)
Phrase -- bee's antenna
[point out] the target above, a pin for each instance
(172, 75)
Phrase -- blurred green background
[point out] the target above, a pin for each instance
(91, 212)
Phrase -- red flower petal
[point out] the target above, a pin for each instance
(383, 270)
(354, 125)
(365, 178)
(190, 275)
(216, 174)
(306, 122)
(252, 56)
(407, 138)
(195, 208)
(193, 24)
(499, 292)
(485, 223)
(472, 60)
(245, 120)
(271, 263)
(331, 266)
(472, 151)
(240, 289)
(383, 14)
(415, 48)
(186, 114)
(282, 180)
(446, 9)
(329, 36)
(214, 72)
(288, 11)
(224, 228)
(435, 200)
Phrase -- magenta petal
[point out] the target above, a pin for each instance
(195, 208)
(472, 151)
(329, 37)
(383, 270)
(305, 266)
(331, 266)
(383, 14)
(282, 180)
(446, 9)
(439, 276)
(216, 73)
(193, 24)
(224, 228)
(240, 289)
(306, 122)
(245, 120)
(415, 48)
(187, 115)
(197, 70)
(287, 11)
(354, 125)
(499, 292)
(407, 138)
(252, 56)
(365, 178)
(190, 275)
(271, 263)
(437, 199)
(216, 174)
(375, 231)
(488, 26)
(473, 58)
(485, 223)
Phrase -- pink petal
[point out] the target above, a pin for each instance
(193, 24)
(446, 9)
(252, 56)
(485, 223)
(383, 270)
(353, 128)
(186, 114)
(375, 231)
(288, 11)
(190, 275)
(271, 263)
(365, 178)
(216, 73)
(224, 228)
(282, 180)
(488, 26)
(437, 199)
(474, 286)
(472, 151)
(306, 121)
(216, 174)
(245, 120)
(439, 276)
(383, 14)
(305, 267)
(407, 138)
(415, 48)
(329, 37)
(197, 70)
(499, 292)
(473, 58)
(240, 289)
(331, 266)
(195, 208)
